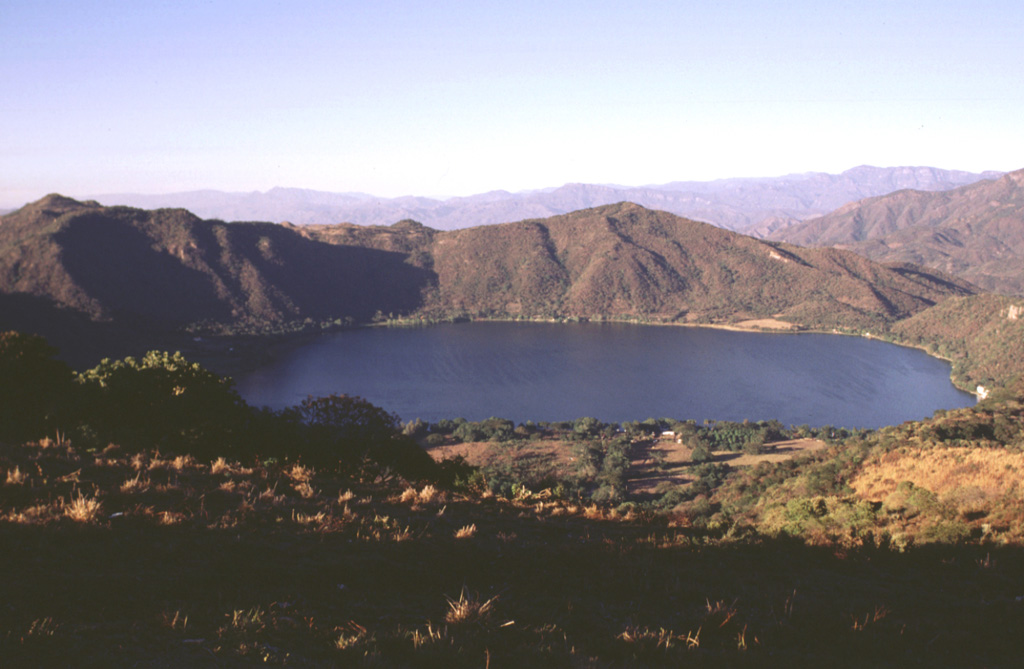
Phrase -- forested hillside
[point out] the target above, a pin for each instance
(982, 335)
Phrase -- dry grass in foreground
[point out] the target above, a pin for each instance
(117, 559)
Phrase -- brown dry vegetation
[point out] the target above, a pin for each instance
(973, 232)
(982, 474)
(181, 562)
(551, 453)
(916, 484)
(765, 324)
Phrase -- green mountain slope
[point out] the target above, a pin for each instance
(975, 232)
(983, 336)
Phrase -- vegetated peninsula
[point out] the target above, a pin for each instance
(975, 232)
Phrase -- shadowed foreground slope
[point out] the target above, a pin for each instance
(171, 563)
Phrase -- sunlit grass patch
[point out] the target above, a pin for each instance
(83, 509)
(466, 532)
(310, 518)
(170, 517)
(220, 466)
(15, 476)
(140, 461)
(382, 529)
(135, 484)
(429, 494)
(270, 497)
(350, 635)
(300, 473)
(861, 623)
(945, 493)
(253, 619)
(59, 441)
(42, 627)
(469, 609)
(36, 514)
(992, 472)
(176, 621)
(433, 635)
(661, 639)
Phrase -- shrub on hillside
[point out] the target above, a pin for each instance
(161, 400)
(350, 433)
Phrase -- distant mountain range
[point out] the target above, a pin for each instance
(755, 206)
(975, 232)
(167, 269)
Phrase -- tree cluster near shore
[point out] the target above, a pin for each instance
(165, 402)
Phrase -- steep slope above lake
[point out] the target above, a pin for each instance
(625, 261)
(170, 269)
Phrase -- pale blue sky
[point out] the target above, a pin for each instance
(454, 98)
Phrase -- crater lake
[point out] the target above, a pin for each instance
(613, 372)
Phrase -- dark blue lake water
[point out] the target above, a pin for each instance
(613, 372)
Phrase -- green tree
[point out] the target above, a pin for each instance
(700, 453)
(352, 434)
(36, 390)
(162, 400)
(587, 427)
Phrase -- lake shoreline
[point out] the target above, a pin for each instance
(616, 374)
(741, 326)
(231, 355)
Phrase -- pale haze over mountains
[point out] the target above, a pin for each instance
(756, 206)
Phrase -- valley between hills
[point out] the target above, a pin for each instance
(149, 516)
